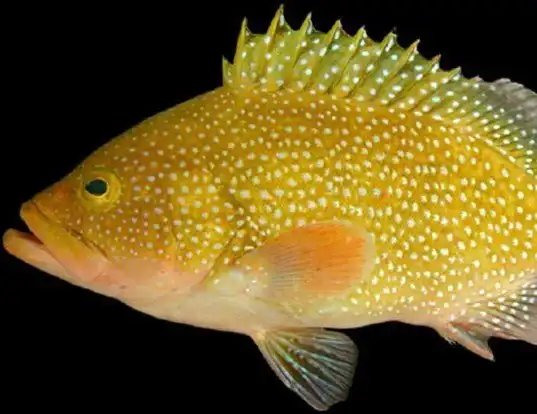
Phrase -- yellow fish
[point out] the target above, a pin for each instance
(330, 182)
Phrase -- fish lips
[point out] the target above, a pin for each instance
(53, 248)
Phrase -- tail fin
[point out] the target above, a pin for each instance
(512, 316)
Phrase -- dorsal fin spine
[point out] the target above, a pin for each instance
(371, 67)
(476, 120)
(240, 58)
(356, 68)
(353, 48)
(269, 39)
(226, 71)
(402, 61)
(332, 35)
(429, 72)
(364, 72)
(301, 36)
(435, 107)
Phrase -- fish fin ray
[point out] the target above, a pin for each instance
(474, 342)
(315, 259)
(514, 119)
(512, 316)
(384, 73)
(316, 364)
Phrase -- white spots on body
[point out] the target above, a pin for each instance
(446, 215)
(438, 222)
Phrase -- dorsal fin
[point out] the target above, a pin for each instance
(384, 73)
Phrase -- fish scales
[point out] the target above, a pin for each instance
(332, 181)
(427, 192)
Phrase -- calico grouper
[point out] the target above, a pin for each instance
(330, 182)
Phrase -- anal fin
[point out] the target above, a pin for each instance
(512, 316)
(472, 341)
(316, 364)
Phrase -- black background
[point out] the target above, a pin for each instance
(74, 77)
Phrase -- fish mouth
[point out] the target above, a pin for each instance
(28, 246)
(52, 247)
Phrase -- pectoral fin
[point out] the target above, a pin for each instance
(322, 258)
(316, 364)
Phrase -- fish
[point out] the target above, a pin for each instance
(330, 182)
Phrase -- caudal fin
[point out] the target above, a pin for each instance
(512, 316)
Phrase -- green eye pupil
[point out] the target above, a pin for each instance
(97, 187)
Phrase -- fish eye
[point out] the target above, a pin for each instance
(97, 187)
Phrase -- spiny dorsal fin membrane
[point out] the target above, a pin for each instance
(385, 73)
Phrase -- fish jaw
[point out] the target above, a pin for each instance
(29, 249)
(52, 248)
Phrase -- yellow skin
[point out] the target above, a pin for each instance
(437, 220)
(171, 254)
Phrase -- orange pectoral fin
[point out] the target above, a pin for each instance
(323, 258)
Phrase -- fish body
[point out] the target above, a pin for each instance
(331, 182)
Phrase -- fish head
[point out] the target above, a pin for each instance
(62, 220)
(111, 225)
